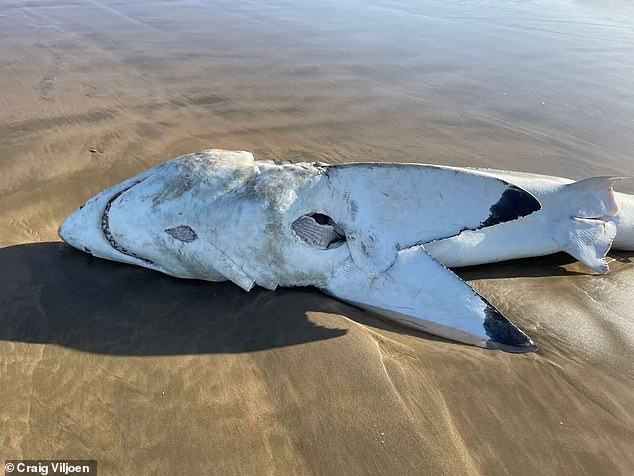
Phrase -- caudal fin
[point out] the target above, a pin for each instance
(589, 240)
(592, 197)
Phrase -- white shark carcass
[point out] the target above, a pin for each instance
(359, 232)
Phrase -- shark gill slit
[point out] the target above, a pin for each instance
(105, 226)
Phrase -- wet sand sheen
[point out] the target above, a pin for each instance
(139, 370)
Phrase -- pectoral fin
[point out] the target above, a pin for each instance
(419, 292)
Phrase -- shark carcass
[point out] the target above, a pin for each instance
(377, 235)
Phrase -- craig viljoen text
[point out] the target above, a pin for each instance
(50, 467)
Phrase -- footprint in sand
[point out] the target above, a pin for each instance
(46, 88)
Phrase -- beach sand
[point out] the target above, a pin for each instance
(153, 375)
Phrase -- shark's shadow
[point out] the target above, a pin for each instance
(559, 264)
(50, 293)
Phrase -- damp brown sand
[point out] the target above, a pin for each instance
(153, 375)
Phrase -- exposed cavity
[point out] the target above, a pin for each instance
(319, 231)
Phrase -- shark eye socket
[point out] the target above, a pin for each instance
(319, 231)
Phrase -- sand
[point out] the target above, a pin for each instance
(154, 375)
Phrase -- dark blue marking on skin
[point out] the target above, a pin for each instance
(513, 204)
(504, 334)
(182, 233)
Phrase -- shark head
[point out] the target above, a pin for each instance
(356, 231)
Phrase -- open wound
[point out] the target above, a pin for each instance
(319, 231)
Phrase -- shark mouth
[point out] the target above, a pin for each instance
(105, 227)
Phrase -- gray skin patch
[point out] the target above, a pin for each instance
(179, 184)
(182, 233)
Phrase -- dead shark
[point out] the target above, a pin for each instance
(357, 231)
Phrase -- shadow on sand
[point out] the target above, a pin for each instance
(560, 264)
(50, 293)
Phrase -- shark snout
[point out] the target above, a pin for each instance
(87, 227)
(80, 228)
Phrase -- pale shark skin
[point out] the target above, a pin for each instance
(581, 218)
(354, 231)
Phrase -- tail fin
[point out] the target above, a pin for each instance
(592, 197)
(589, 241)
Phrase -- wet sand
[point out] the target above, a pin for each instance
(154, 375)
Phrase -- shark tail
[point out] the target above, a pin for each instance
(593, 207)
(624, 223)
(589, 241)
(592, 197)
